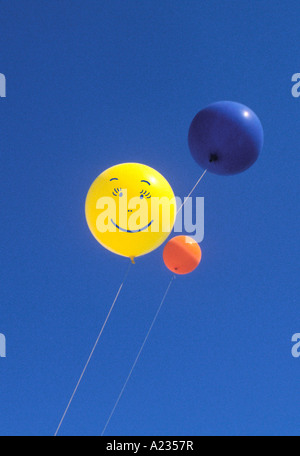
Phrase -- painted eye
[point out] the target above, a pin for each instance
(117, 192)
(145, 194)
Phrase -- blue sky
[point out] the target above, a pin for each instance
(91, 84)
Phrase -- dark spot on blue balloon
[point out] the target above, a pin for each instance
(213, 157)
(141, 196)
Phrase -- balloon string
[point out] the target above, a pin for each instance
(137, 357)
(93, 349)
(185, 199)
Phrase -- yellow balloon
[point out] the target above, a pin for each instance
(130, 209)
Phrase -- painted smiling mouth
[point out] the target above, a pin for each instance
(130, 231)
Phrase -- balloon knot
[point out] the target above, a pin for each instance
(132, 260)
(213, 158)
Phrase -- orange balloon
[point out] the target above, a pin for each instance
(182, 254)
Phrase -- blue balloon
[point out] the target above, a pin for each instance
(225, 137)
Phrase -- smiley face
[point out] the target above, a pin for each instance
(130, 209)
(143, 194)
